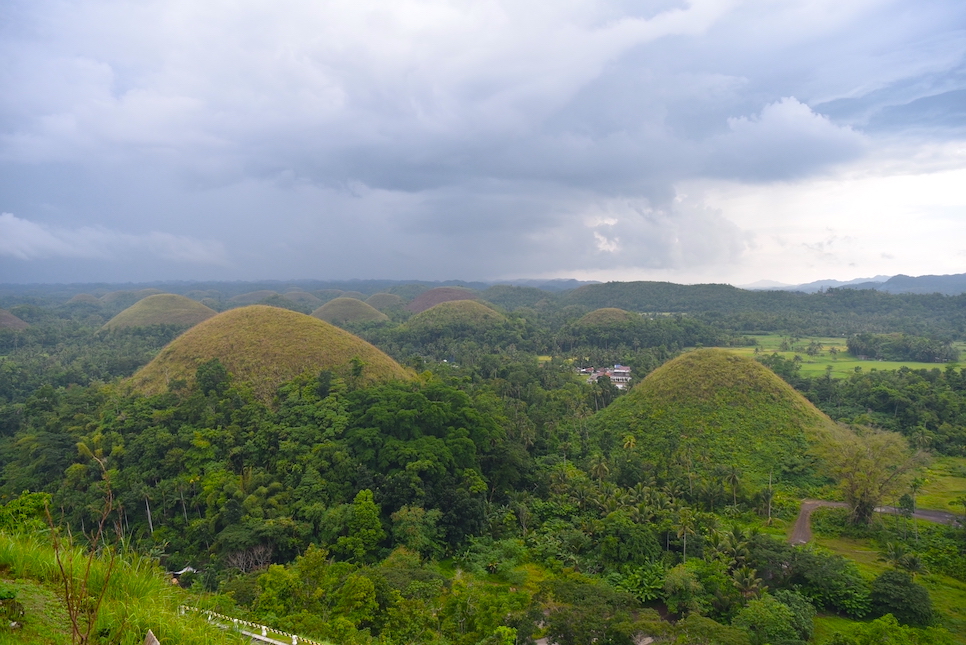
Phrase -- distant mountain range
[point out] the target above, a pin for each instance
(952, 285)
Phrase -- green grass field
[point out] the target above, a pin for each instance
(945, 481)
(843, 363)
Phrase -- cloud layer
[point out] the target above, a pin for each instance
(442, 139)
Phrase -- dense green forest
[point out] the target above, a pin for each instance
(496, 495)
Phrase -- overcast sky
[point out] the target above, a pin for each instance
(703, 141)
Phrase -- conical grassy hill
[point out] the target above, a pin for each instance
(9, 321)
(454, 318)
(264, 347)
(382, 301)
(348, 310)
(709, 409)
(607, 317)
(433, 297)
(161, 309)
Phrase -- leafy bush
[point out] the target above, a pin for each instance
(895, 592)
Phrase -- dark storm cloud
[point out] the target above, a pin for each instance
(435, 139)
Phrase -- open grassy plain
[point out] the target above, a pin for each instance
(842, 363)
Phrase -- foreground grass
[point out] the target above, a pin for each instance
(138, 597)
(843, 364)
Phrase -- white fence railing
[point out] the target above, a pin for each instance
(263, 633)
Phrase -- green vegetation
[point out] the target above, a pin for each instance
(161, 309)
(348, 310)
(263, 347)
(899, 347)
(497, 497)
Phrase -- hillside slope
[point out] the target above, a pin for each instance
(708, 410)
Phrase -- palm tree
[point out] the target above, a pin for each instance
(734, 478)
(686, 523)
(598, 467)
(747, 582)
(630, 441)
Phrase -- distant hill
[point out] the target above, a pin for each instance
(512, 297)
(348, 310)
(252, 297)
(9, 321)
(302, 298)
(383, 301)
(263, 347)
(709, 409)
(433, 297)
(455, 318)
(86, 299)
(161, 309)
(951, 285)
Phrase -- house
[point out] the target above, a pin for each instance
(619, 375)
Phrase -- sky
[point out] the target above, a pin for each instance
(703, 141)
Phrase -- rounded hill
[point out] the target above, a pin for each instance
(607, 317)
(9, 321)
(457, 317)
(128, 296)
(161, 309)
(264, 347)
(302, 298)
(382, 301)
(433, 297)
(348, 310)
(252, 297)
(84, 299)
(709, 409)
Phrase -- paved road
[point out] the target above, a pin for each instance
(802, 533)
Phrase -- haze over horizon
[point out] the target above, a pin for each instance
(704, 141)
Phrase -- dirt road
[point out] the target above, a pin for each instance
(802, 533)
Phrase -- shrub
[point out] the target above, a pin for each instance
(895, 592)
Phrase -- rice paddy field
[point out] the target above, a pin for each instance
(830, 352)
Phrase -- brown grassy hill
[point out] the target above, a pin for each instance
(358, 295)
(709, 409)
(433, 297)
(348, 310)
(9, 321)
(606, 317)
(382, 301)
(263, 347)
(252, 297)
(161, 309)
